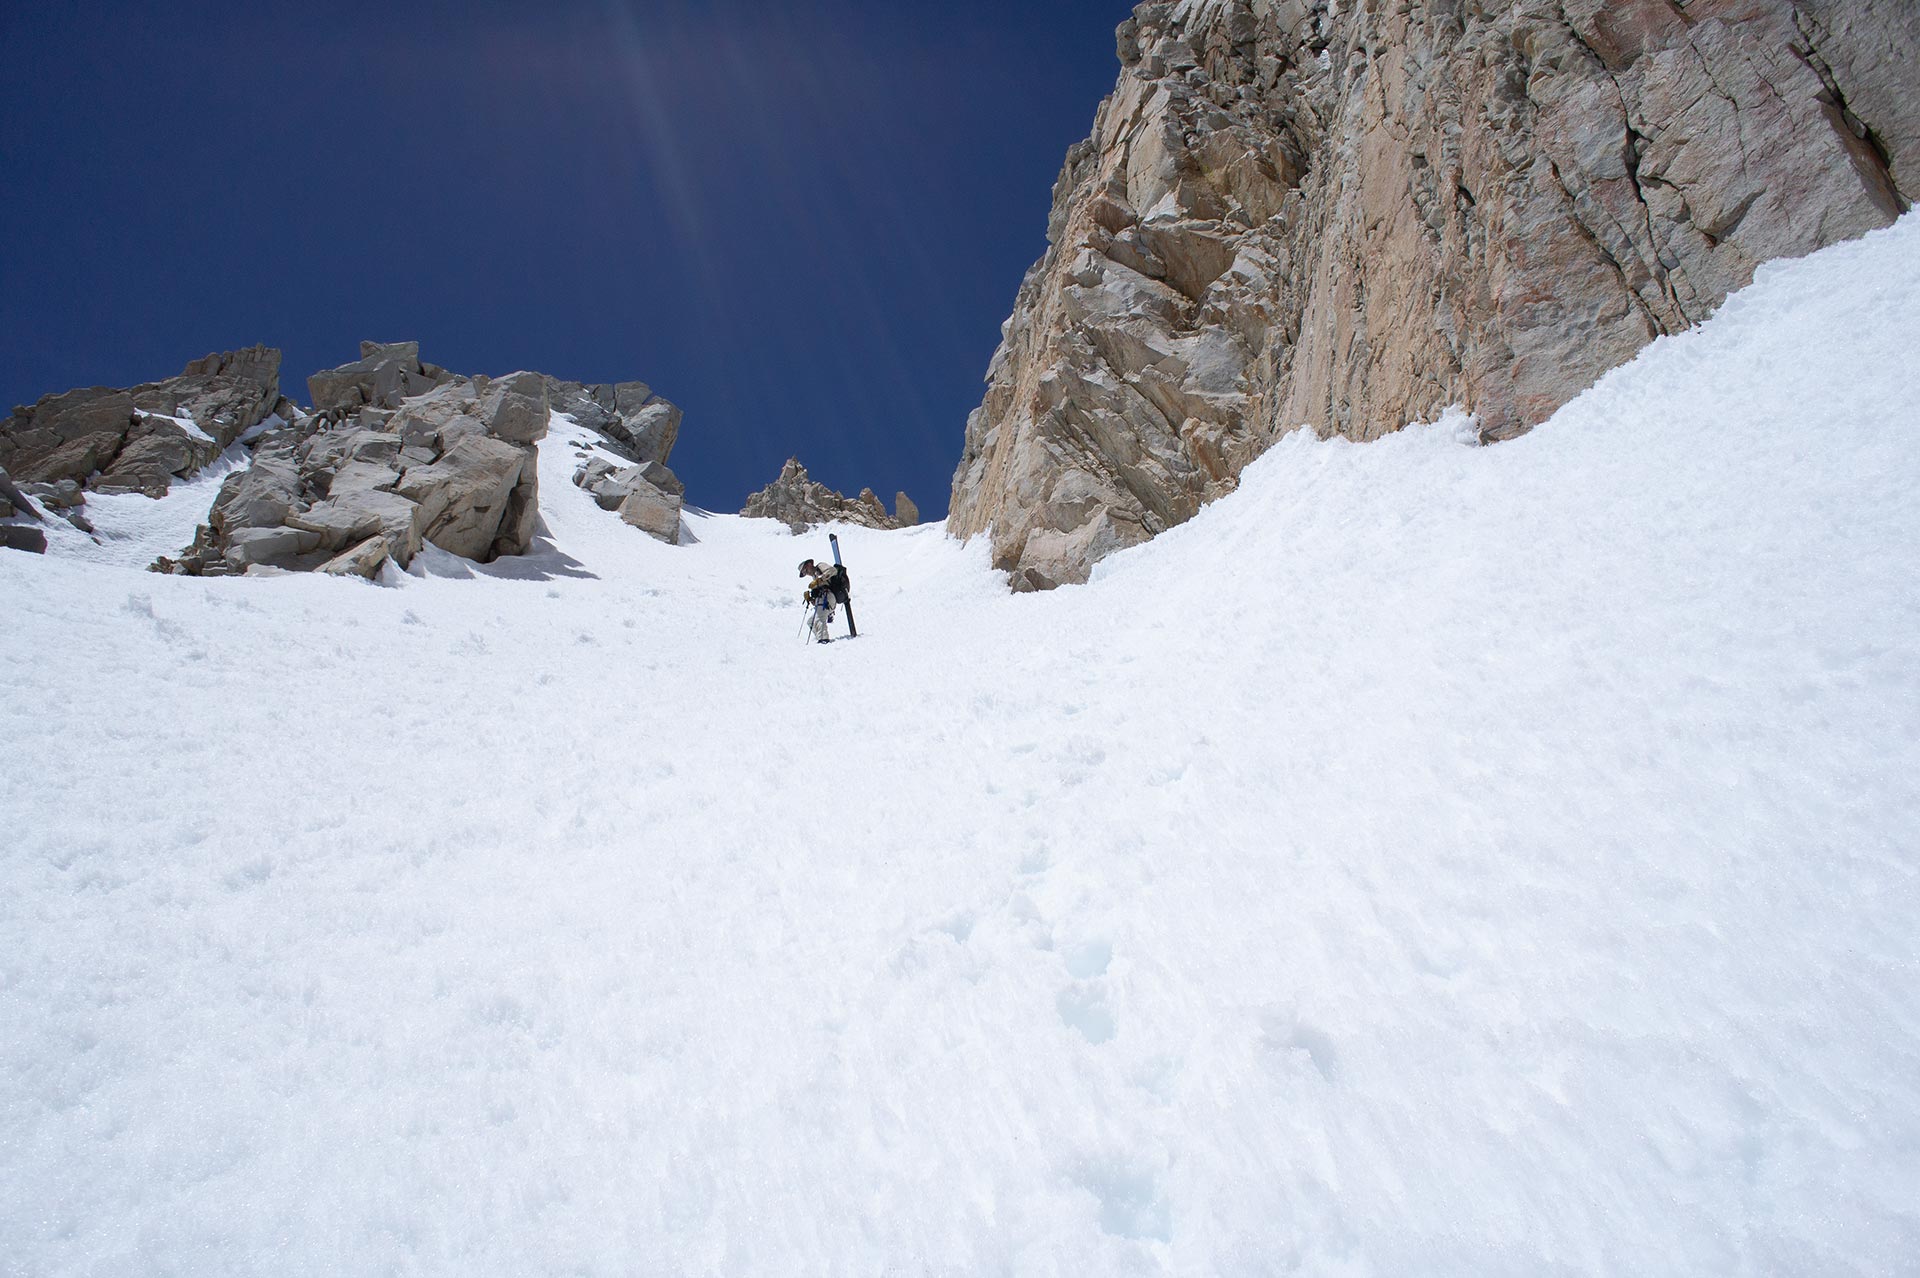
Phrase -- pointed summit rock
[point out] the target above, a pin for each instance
(800, 503)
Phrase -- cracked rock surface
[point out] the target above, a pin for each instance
(1346, 217)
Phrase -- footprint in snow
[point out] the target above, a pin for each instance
(959, 927)
(1131, 1202)
(1085, 1010)
(1294, 1042)
(1083, 1005)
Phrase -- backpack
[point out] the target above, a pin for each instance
(838, 583)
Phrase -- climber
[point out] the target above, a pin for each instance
(826, 585)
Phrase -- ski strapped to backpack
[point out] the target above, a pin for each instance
(842, 585)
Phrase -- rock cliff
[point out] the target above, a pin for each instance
(1347, 216)
(143, 438)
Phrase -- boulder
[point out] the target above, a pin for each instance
(905, 513)
(659, 476)
(359, 476)
(248, 547)
(66, 494)
(652, 430)
(22, 537)
(156, 451)
(610, 484)
(514, 408)
(342, 521)
(384, 375)
(363, 560)
(653, 512)
(463, 498)
(262, 496)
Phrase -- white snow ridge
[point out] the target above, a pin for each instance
(1429, 860)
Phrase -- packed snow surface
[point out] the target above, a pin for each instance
(1430, 860)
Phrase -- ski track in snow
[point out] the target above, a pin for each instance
(1429, 860)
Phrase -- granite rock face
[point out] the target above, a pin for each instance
(800, 503)
(378, 473)
(1345, 217)
(143, 438)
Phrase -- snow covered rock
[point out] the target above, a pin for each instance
(1348, 216)
(653, 512)
(649, 496)
(638, 426)
(800, 503)
(143, 438)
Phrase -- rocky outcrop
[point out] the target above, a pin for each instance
(143, 438)
(1345, 217)
(385, 374)
(640, 429)
(800, 503)
(379, 473)
(641, 425)
(647, 495)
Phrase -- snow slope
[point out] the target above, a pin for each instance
(1429, 860)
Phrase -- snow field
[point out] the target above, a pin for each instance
(1430, 860)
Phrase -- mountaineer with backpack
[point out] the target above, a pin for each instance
(827, 585)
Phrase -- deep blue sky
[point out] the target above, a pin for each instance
(803, 223)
